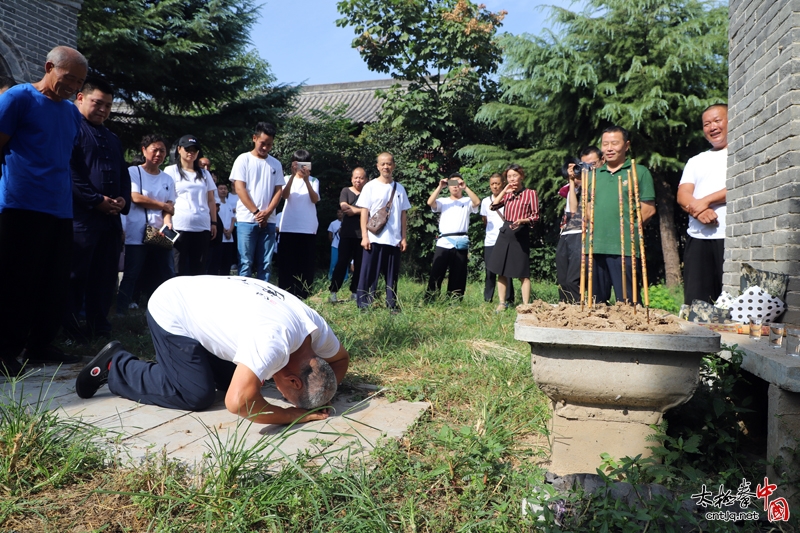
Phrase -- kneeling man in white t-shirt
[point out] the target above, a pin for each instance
(231, 334)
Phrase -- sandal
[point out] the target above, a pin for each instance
(501, 307)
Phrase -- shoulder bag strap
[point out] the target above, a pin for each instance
(391, 198)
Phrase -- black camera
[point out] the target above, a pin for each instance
(579, 167)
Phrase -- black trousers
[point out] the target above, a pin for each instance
(297, 263)
(380, 260)
(184, 376)
(93, 280)
(702, 269)
(568, 268)
(35, 259)
(490, 282)
(455, 261)
(191, 252)
(607, 274)
(222, 257)
(349, 250)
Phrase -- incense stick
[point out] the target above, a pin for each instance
(591, 238)
(641, 240)
(634, 288)
(584, 186)
(622, 240)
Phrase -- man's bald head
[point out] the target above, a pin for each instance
(64, 73)
(319, 384)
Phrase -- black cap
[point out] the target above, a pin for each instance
(189, 140)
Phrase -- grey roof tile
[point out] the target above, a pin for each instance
(362, 105)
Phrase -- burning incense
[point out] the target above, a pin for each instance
(584, 185)
(622, 239)
(634, 288)
(591, 237)
(641, 240)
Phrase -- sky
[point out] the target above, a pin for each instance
(320, 52)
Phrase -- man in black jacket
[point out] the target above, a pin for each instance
(101, 191)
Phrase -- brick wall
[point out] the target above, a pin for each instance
(29, 29)
(763, 213)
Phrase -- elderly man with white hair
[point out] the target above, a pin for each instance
(231, 334)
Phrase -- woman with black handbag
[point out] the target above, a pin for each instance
(152, 204)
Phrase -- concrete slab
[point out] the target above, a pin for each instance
(770, 364)
(362, 418)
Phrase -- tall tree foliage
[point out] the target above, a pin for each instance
(181, 66)
(444, 52)
(650, 66)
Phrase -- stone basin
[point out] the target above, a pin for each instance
(607, 387)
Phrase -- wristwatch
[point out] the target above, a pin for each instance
(257, 211)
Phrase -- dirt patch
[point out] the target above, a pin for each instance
(617, 317)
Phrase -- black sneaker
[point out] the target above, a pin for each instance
(95, 374)
(48, 354)
(10, 367)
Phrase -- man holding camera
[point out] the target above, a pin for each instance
(702, 194)
(453, 243)
(568, 251)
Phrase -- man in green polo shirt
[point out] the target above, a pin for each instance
(607, 268)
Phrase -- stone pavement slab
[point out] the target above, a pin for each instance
(363, 416)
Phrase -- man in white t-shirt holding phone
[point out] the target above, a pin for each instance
(200, 350)
(452, 245)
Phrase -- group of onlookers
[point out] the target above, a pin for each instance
(65, 187)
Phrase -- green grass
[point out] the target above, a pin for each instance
(465, 466)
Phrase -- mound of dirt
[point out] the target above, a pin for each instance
(617, 317)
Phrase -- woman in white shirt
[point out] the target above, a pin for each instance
(152, 198)
(195, 208)
(297, 259)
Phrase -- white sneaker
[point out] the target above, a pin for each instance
(333, 298)
(133, 305)
(353, 296)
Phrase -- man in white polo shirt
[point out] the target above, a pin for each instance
(200, 350)
(702, 194)
(257, 178)
(453, 243)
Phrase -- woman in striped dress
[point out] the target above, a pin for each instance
(511, 255)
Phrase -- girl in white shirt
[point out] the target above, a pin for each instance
(195, 208)
(298, 228)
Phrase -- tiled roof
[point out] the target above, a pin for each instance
(362, 105)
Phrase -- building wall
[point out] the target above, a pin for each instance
(29, 29)
(763, 213)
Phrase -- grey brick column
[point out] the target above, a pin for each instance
(31, 28)
(763, 213)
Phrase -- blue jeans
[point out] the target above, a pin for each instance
(256, 246)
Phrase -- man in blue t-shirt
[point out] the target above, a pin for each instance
(38, 127)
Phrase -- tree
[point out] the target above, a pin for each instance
(182, 66)
(650, 66)
(445, 53)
